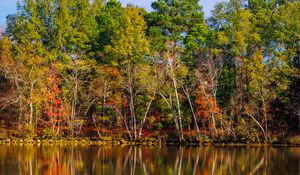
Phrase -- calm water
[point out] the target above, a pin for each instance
(65, 160)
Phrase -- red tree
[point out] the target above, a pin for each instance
(53, 108)
(205, 105)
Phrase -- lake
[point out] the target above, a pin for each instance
(82, 160)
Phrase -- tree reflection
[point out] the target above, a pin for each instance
(72, 160)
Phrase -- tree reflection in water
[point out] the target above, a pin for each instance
(81, 160)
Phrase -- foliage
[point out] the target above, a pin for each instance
(48, 133)
(86, 66)
(26, 132)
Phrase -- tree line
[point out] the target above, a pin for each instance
(68, 67)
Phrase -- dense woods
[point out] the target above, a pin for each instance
(80, 68)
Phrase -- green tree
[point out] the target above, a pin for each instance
(129, 46)
(171, 22)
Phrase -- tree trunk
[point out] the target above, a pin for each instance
(103, 100)
(31, 104)
(95, 124)
(192, 110)
(145, 116)
(265, 116)
(74, 103)
(172, 110)
(125, 122)
(20, 100)
(258, 125)
(132, 110)
(178, 104)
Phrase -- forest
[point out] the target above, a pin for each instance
(81, 68)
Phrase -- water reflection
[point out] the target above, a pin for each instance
(68, 160)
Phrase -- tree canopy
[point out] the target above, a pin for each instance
(66, 65)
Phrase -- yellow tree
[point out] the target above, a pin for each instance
(129, 47)
(26, 70)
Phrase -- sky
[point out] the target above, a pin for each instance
(9, 6)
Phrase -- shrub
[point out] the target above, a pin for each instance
(3, 134)
(159, 126)
(48, 133)
(26, 131)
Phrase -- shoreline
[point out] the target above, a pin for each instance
(143, 142)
